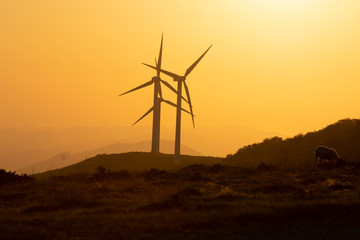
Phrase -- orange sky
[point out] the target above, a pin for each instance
(284, 66)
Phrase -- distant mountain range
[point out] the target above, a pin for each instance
(66, 158)
(343, 136)
(131, 161)
(24, 149)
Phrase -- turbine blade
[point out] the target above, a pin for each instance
(188, 71)
(158, 66)
(173, 75)
(170, 103)
(159, 86)
(149, 111)
(160, 92)
(169, 86)
(188, 97)
(186, 111)
(149, 66)
(172, 89)
(139, 87)
(184, 99)
(174, 105)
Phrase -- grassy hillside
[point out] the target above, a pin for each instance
(197, 199)
(20, 148)
(132, 161)
(66, 159)
(195, 202)
(344, 136)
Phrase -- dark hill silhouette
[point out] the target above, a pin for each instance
(344, 136)
(132, 161)
(20, 148)
(65, 159)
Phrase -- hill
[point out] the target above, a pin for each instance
(65, 158)
(344, 136)
(194, 202)
(132, 161)
(20, 148)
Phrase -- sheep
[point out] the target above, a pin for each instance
(326, 153)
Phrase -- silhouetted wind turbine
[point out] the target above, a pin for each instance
(181, 80)
(155, 145)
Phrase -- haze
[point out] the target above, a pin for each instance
(277, 66)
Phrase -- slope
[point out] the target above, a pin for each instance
(65, 159)
(132, 161)
(344, 136)
(20, 148)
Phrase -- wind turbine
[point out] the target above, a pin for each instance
(181, 81)
(156, 108)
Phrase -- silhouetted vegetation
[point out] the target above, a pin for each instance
(103, 174)
(155, 174)
(269, 190)
(13, 178)
(198, 201)
(132, 161)
(344, 136)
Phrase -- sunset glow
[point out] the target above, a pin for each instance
(179, 119)
(284, 66)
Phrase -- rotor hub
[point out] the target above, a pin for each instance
(179, 78)
(156, 78)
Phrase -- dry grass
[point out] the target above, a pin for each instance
(195, 202)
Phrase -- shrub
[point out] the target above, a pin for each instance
(13, 178)
(102, 174)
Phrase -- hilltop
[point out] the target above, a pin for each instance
(66, 159)
(132, 161)
(37, 150)
(344, 136)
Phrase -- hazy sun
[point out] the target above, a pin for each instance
(283, 4)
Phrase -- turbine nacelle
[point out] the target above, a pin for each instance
(179, 78)
(156, 79)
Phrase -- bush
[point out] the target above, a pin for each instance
(13, 178)
(155, 174)
(102, 174)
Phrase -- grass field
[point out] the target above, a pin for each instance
(194, 202)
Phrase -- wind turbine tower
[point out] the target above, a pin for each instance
(181, 80)
(155, 144)
(156, 108)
